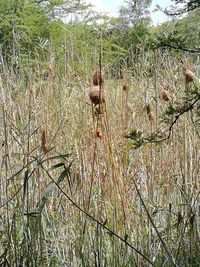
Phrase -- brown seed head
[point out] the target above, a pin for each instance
(44, 141)
(99, 133)
(151, 116)
(164, 95)
(148, 108)
(125, 87)
(97, 95)
(189, 76)
(97, 77)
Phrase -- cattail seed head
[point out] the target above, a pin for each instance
(151, 116)
(97, 95)
(148, 108)
(44, 141)
(97, 77)
(164, 95)
(189, 76)
(125, 87)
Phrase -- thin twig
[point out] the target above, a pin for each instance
(93, 218)
(154, 226)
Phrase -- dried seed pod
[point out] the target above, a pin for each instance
(99, 133)
(151, 116)
(96, 95)
(44, 141)
(164, 95)
(189, 76)
(125, 87)
(148, 108)
(97, 77)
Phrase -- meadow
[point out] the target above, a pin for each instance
(72, 198)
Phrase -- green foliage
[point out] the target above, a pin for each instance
(136, 12)
(183, 6)
(34, 20)
(58, 40)
(34, 24)
(9, 11)
(138, 138)
(25, 26)
(179, 34)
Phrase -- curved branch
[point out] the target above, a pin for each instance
(89, 216)
(179, 47)
(191, 106)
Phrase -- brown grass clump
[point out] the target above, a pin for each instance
(97, 95)
(164, 95)
(189, 76)
(97, 77)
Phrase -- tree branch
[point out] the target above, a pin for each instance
(179, 47)
(191, 106)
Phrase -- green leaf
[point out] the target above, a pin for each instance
(50, 187)
(56, 166)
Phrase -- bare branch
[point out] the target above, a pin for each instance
(179, 47)
(93, 218)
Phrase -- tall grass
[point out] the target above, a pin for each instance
(69, 198)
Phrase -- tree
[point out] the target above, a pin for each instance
(135, 13)
(139, 11)
(186, 6)
(179, 34)
(26, 25)
(130, 32)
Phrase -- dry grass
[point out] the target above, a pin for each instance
(149, 197)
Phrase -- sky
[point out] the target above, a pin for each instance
(112, 7)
